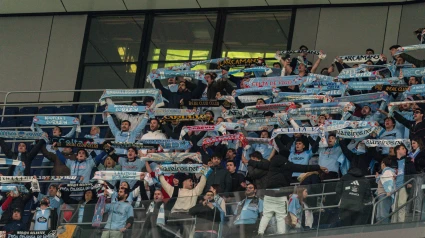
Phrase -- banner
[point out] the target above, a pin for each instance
(390, 88)
(27, 179)
(29, 234)
(56, 121)
(358, 59)
(172, 157)
(355, 133)
(125, 108)
(409, 48)
(239, 136)
(201, 117)
(241, 62)
(120, 93)
(386, 143)
(275, 81)
(206, 103)
(21, 135)
(78, 187)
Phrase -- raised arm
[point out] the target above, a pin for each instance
(138, 130)
(112, 126)
(402, 120)
(34, 151)
(120, 115)
(71, 133)
(61, 157)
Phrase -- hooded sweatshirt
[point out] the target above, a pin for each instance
(354, 190)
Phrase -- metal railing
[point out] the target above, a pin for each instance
(395, 202)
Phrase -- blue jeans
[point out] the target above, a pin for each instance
(383, 208)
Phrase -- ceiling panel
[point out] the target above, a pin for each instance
(30, 6)
(231, 3)
(160, 4)
(93, 5)
(296, 2)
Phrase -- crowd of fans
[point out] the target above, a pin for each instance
(248, 175)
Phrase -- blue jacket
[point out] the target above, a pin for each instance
(14, 226)
(119, 215)
(80, 168)
(127, 136)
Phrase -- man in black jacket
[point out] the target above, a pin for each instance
(416, 127)
(182, 93)
(18, 203)
(22, 155)
(219, 176)
(255, 175)
(238, 180)
(354, 190)
(207, 217)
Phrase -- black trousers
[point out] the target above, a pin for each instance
(351, 218)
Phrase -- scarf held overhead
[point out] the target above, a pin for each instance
(56, 121)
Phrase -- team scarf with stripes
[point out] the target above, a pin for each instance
(291, 97)
(303, 130)
(201, 117)
(317, 79)
(356, 59)
(241, 113)
(116, 175)
(238, 136)
(325, 91)
(312, 52)
(339, 124)
(278, 81)
(56, 121)
(172, 111)
(352, 75)
(14, 162)
(26, 179)
(367, 97)
(266, 90)
(254, 98)
(367, 85)
(239, 62)
(248, 70)
(192, 64)
(392, 105)
(386, 143)
(409, 72)
(409, 48)
(78, 187)
(168, 144)
(120, 93)
(270, 107)
(172, 157)
(415, 89)
(356, 133)
(21, 135)
(186, 129)
(254, 140)
(390, 88)
(125, 108)
(184, 168)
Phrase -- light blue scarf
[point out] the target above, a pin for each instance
(125, 108)
(113, 93)
(56, 121)
(416, 72)
(21, 134)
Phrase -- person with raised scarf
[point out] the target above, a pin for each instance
(125, 134)
(134, 118)
(417, 126)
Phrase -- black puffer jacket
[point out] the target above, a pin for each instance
(258, 176)
(354, 190)
(219, 176)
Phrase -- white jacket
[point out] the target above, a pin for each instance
(154, 135)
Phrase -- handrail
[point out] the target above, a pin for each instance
(393, 192)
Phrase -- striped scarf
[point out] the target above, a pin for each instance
(172, 157)
(409, 48)
(238, 136)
